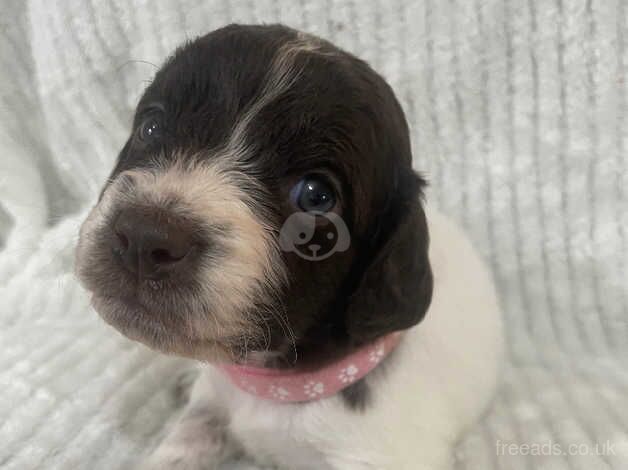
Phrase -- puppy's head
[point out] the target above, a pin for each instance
(263, 205)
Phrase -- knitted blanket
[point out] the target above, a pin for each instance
(518, 111)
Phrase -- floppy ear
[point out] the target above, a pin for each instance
(395, 288)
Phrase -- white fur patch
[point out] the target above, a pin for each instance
(281, 75)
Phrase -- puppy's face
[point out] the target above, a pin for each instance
(250, 140)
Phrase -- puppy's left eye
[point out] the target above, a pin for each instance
(313, 193)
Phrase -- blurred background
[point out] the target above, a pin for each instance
(519, 120)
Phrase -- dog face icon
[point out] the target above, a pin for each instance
(314, 235)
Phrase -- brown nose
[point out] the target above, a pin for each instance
(150, 244)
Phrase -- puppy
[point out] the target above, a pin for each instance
(264, 217)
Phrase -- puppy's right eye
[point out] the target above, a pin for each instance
(150, 130)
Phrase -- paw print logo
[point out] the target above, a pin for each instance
(376, 354)
(279, 393)
(300, 235)
(313, 389)
(348, 374)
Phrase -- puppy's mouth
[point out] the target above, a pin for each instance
(157, 331)
(128, 315)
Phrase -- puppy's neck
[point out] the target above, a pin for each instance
(299, 384)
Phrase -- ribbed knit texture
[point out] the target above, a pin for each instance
(518, 112)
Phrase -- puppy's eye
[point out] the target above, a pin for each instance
(150, 129)
(313, 193)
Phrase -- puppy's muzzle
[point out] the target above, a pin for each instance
(179, 258)
(152, 244)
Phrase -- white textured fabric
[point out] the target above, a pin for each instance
(518, 111)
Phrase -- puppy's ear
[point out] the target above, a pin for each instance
(395, 288)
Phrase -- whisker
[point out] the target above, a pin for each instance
(135, 61)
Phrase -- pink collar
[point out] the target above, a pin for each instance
(299, 386)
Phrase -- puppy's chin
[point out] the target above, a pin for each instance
(135, 322)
